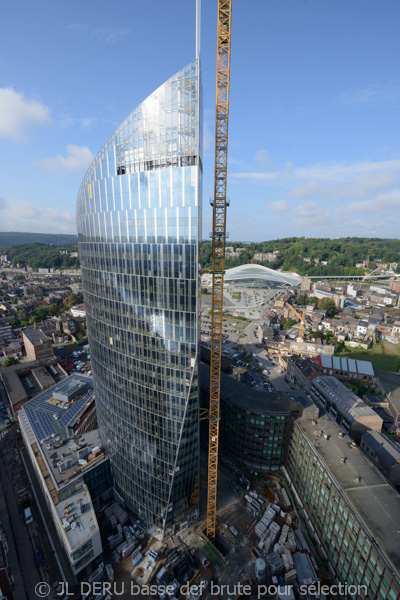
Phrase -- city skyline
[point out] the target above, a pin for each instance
(316, 154)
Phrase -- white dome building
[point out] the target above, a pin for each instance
(253, 275)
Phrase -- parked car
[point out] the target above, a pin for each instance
(38, 557)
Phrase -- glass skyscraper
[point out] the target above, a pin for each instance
(139, 226)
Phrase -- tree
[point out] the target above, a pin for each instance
(19, 277)
(11, 360)
(328, 305)
(72, 300)
(22, 314)
(41, 313)
(53, 310)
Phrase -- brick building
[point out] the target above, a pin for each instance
(37, 345)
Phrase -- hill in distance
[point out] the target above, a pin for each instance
(15, 238)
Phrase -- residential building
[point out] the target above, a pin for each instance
(346, 369)
(6, 333)
(37, 345)
(344, 407)
(139, 227)
(78, 310)
(362, 328)
(383, 453)
(355, 525)
(305, 284)
(302, 371)
(395, 285)
(354, 290)
(390, 384)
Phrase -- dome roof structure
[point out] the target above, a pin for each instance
(257, 274)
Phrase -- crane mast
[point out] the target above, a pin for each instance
(218, 235)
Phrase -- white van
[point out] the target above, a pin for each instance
(28, 516)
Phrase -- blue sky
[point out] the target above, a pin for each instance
(314, 138)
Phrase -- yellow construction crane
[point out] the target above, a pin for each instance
(218, 235)
(301, 330)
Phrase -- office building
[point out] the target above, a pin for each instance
(72, 470)
(139, 219)
(353, 514)
(255, 426)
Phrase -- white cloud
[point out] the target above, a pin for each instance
(22, 216)
(310, 214)
(17, 113)
(378, 94)
(280, 206)
(383, 203)
(330, 172)
(78, 157)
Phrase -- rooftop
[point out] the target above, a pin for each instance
(78, 518)
(35, 336)
(340, 363)
(49, 417)
(346, 402)
(71, 458)
(386, 449)
(391, 384)
(374, 499)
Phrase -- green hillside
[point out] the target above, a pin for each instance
(341, 254)
(14, 238)
(37, 256)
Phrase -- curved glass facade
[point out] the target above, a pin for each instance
(139, 220)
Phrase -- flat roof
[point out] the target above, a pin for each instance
(55, 454)
(35, 336)
(49, 417)
(77, 517)
(374, 499)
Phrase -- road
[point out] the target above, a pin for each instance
(19, 536)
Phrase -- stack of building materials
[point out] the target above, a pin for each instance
(254, 503)
(290, 576)
(137, 557)
(119, 513)
(129, 548)
(110, 516)
(115, 540)
(287, 560)
(275, 563)
(284, 534)
(272, 534)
